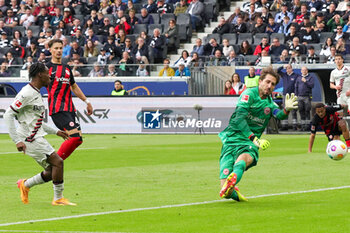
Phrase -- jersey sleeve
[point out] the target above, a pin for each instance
(19, 102)
(332, 79)
(278, 113)
(334, 108)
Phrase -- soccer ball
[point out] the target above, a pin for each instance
(336, 150)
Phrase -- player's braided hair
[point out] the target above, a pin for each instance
(35, 69)
(269, 70)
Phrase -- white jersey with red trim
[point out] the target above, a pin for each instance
(30, 109)
(341, 78)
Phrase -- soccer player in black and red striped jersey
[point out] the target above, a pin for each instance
(61, 107)
(328, 119)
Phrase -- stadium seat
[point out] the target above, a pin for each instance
(131, 37)
(81, 18)
(183, 22)
(138, 28)
(324, 36)
(216, 36)
(280, 36)
(156, 18)
(232, 38)
(208, 12)
(77, 9)
(166, 18)
(245, 36)
(19, 28)
(183, 19)
(259, 36)
(91, 60)
(110, 17)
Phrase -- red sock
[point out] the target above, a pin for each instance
(68, 146)
(347, 142)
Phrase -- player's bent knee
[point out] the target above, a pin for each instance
(56, 160)
(343, 125)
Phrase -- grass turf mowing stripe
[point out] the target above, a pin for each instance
(23, 231)
(19, 152)
(170, 206)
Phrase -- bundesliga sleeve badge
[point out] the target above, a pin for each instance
(245, 98)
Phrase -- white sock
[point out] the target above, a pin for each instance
(35, 180)
(58, 191)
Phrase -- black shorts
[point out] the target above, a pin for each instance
(66, 120)
(334, 132)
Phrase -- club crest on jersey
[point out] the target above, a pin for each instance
(226, 171)
(313, 128)
(71, 124)
(245, 98)
(267, 110)
(67, 71)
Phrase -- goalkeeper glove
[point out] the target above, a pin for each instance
(291, 102)
(261, 143)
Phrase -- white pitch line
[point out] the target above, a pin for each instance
(167, 206)
(92, 148)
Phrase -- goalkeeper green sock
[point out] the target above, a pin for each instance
(238, 169)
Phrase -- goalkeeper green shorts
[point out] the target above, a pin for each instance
(229, 155)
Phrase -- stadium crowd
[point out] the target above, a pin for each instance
(128, 34)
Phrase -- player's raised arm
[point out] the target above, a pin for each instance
(79, 93)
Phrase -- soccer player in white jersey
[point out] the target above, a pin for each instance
(340, 81)
(28, 108)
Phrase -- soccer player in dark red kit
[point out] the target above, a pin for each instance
(328, 119)
(61, 107)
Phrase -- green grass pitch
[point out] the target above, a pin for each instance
(123, 175)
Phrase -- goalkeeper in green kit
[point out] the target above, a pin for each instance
(241, 139)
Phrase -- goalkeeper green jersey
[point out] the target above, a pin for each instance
(251, 116)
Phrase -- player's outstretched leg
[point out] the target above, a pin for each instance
(24, 185)
(24, 190)
(233, 179)
(57, 180)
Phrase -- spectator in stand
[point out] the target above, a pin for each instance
(76, 49)
(124, 65)
(182, 71)
(195, 9)
(89, 25)
(66, 48)
(171, 35)
(226, 47)
(240, 26)
(66, 4)
(331, 57)
(42, 17)
(272, 27)
(127, 47)
(303, 89)
(326, 48)
(123, 25)
(120, 38)
(91, 36)
(76, 26)
(13, 5)
(120, 14)
(245, 49)
(259, 27)
(90, 49)
(233, 60)
(17, 50)
(295, 57)
(180, 7)
(285, 25)
(308, 36)
(146, 37)
(284, 12)
(18, 35)
(252, 14)
(67, 16)
(130, 7)
(4, 42)
(104, 6)
(292, 33)
(335, 22)
(184, 59)
(198, 48)
(211, 47)
(228, 90)
(57, 18)
(145, 17)
(339, 34)
(95, 21)
(27, 19)
(118, 89)
(303, 12)
(276, 48)
(217, 59)
(329, 8)
(4, 29)
(116, 6)
(223, 27)
(3, 70)
(33, 50)
(296, 46)
(320, 25)
(142, 71)
(78, 37)
(151, 7)
(251, 80)
(140, 52)
(265, 15)
(157, 43)
(51, 8)
(234, 17)
(264, 45)
(76, 68)
(312, 58)
(259, 60)
(111, 71)
(167, 71)
(102, 58)
(42, 58)
(277, 5)
(284, 58)
(313, 15)
(196, 63)
(237, 86)
(97, 71)
(163, 8)
(26, 41)
(11, 20)
(27, 63)
(132, 19)
(59, 35)
(10, 60)
(113, 52)
(341, 47)
(61, 26)
(289, 78)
